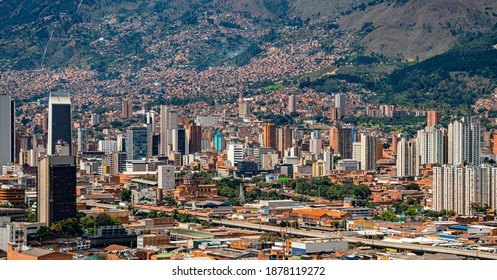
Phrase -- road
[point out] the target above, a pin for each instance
(374, 243)
(321, 234)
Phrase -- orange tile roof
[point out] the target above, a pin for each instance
(319, 212)
(115, 247)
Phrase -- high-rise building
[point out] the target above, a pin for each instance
(118, 162)
(334, 114)
(315, 144)
(244, 109)
(127, 109)
(80, 140)
(137, 143)
(340, 100)
(387, 110)
(44, 121)
(218, 142)
(284, 138)
(341, 142)
(166, 177)
(151, 121)
(328, 161)
(291, 103)
(269, 132)
(235, 153)
(121, 143)
(368, 152)
(168, 123)
(379, 151)
(457, 188)
(431, 118)
(59, 121)
(7, 129)
(95, 119)
(494, 150)
(108, 146)
(356, 151)
(395, 140)
(56, 189)
(318, 168)
(206, 121)
(155, 144)
(182, 145)
(487, 139)
(464, 138)
(406, 158)
(194, 136)
(430, 146)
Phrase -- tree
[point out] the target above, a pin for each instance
(44, 233)
(411, 212)
(479, 208)
(125, 195)
(389, 216)
(413, 187)
(103, 219)
(295, 224)
(31, 218)
(67, 227)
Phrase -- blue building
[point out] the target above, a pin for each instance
(218, 142)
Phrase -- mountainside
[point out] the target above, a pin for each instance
(458, 82)
(97, 33)
(420, 28)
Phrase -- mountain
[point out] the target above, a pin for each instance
(420, 28)
(85, 33)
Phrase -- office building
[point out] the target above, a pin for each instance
(218, 142)
(315, 144)
(181, 144)
(59, 121)
(166, 177)
(328, 161)
(341, 142)
(7, 127)
(137, 143)
(235, 153)
(107, 146)
(118, 162)
(56, 189)
(207, 121)
(284, 139)
(269, 135)
(168, 126)
(194, 136)
(151, 121)
(335, 114)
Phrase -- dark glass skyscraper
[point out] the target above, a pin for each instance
(59, 121)
(56, 189)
